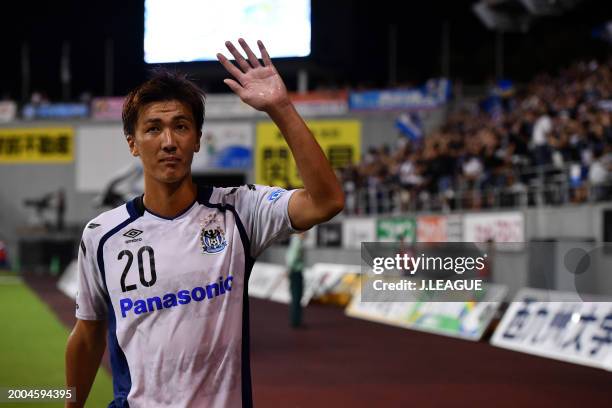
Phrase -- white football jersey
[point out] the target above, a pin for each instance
(175, 293)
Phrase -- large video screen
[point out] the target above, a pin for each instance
(196, 30)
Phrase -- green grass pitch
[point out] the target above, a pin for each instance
(32, 346)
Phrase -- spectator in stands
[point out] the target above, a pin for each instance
(350, 183)
(599, 174)
(38, 98)
(513, 191)
(561, 125)
(539, 138)
(410, 178)
(472, 172)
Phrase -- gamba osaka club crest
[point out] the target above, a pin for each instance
(212, 240)
(212, 236)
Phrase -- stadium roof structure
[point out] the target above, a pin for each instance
(518, 15)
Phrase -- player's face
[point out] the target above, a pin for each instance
(165, 140)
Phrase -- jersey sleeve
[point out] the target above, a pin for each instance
(264, 211)
(90, 299)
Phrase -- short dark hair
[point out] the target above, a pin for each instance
(164, 85)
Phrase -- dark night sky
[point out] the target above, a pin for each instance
(349, 43)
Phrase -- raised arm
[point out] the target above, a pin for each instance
(260, 86)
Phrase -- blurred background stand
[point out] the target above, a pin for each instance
(45, 244)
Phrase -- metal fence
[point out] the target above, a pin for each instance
(543, 186)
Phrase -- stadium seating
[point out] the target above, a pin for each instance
(546, 142)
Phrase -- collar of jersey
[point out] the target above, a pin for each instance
(179, 215)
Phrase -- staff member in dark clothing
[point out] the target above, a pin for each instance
(295, 267)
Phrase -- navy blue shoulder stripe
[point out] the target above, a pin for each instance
(134, 214)
(137, 207)
(204, 194)
(141, 208)
(122, 379)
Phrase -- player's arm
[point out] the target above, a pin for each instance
(261, 87)
(84, 352)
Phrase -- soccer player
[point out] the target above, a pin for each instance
(165, 276)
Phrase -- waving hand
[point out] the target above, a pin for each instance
(259, 86)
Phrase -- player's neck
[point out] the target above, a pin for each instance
(169, 200)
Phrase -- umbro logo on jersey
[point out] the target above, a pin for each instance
(93, 225)
(133, 233)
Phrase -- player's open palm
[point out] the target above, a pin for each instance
(259, 86)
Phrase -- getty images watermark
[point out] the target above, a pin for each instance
(433, 271)
(409, 264)
(464, 272)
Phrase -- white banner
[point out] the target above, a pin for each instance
(454, 223)
(8, 111)
(321, 103)
(381, 312)
(499, 227)
(310, 239)
(224, 106)
(358, 230)
(102, 154)
(282, 294)
(329, 276)
(69, 281)
(538, 322)
(224, 145)
(321, 108)
(265, 277)
(466, 320)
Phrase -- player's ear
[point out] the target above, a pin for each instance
(132, 145)
(198, 141)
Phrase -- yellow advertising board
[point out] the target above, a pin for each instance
(274, 163)
(36, 145)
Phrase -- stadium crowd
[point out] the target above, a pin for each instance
(547, 142)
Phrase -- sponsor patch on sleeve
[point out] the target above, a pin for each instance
(276, 194)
